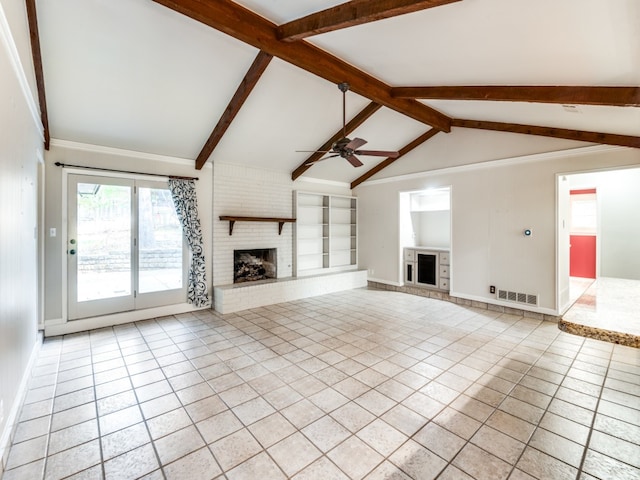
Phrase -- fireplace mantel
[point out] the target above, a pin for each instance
(232, 219)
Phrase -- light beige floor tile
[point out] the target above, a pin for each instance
(439, 440)
(454, 473)
(417, 462)
(27, 451)
(404, 419)
(73, 416)
(457, 422)
(520, 409)
(387, 471)
(557, 446)
(615, 448)
(352, 416)
(305, 453)
(133, 464)
(271, 429)
(178, 444)
(541, 465)
(153, 390)
(355, 457)
(72, 436)
(121, 419)
(601, 466)
(498, 444)
(510, 425)
(33, 470)
(32, 429)
(575, 413)
(124, 440)
(160, 405)
(328, 399)
(480, 464)
(73, 460)
(302, 413)
(205, 408)
(322, 468)
(326, 433)
(218, 426)
(199, 465)
(237, 394)
(253, 410)
(618, 428)
(116, 402)
(283, 397)
(382, 437)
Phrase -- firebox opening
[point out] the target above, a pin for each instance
(254, 265)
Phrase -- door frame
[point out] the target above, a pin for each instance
(168, 306)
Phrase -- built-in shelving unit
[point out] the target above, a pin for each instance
(326, 233)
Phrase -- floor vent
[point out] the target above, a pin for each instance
(517, 297)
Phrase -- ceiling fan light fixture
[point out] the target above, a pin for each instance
(347, 148)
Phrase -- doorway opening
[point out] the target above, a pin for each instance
(598, 227)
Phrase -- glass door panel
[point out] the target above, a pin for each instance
(160, 242)
(99, 246)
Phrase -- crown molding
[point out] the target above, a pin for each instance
(537, 157)
(14, 58)
(121, 152)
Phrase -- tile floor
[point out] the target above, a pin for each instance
(610, 304)
(361, 384)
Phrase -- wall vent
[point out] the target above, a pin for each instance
(517, 297)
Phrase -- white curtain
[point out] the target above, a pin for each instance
(184, 199)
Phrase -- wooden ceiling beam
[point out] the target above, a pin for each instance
(579, 135)
(350, 14)
(249, 81)
(403, 151)
(36, 54)
(570, 95)
(355, 122)
(239, 22)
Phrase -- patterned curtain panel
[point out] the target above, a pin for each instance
(184, 198)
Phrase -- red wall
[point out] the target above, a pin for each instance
(583, 256)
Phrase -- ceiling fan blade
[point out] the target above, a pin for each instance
(308, 164)
(355, 143)
(313, 151)
(353, 160)
(378, 153)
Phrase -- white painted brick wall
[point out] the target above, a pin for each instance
(247, 191)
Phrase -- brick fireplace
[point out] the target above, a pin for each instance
(255, 264)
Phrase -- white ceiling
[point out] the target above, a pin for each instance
(139, 76)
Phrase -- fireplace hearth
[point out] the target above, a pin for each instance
(253, 265)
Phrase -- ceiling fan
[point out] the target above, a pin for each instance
(347, 148)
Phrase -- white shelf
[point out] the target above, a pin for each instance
(326, 223)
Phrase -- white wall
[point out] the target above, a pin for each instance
(432, 229)
(87, 155)
(20, 147)
(491, 207)
(255, 192)
(618, 200)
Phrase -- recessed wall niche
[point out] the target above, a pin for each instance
(425, 219)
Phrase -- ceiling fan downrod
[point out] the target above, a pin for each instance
(344, 87)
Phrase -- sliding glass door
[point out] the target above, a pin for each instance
(125, 247)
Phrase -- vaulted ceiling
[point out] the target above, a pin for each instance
(253, 82)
